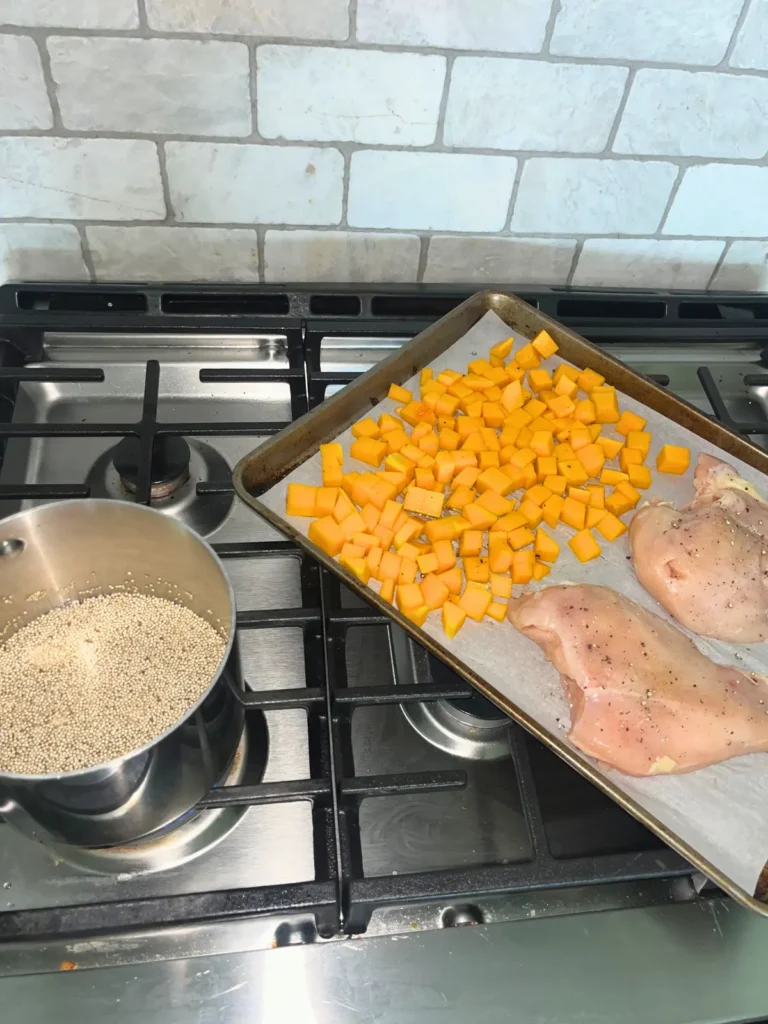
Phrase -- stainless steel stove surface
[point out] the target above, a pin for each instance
(358, 807)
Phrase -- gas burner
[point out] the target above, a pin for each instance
(471, 728)
(178, 466)
(196, 833)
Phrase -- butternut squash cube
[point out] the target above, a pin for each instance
(618, 503)
(351, 525)
(499, 553)
(610, 446)
(579, 494)
(594, 515)
(511, 521)
(640, 440)
(522, 567)
(408, 571)
(573, 513)
(459, 497)
(610, 526)
(452, 579)
(333, 450)
(368, 450)
(494, 503)
(551, 510)
(471, 543)
(612, 476)
(418, 412)
(366, 428)
(531, 511)
(673, 459)
(424, 502)
(434, 592)
(544, 344)
(326, 499)
(327, 534)
(584, 546)
(527, 358)
(494, 479)
(477, 569)
(520, 538)
(592, 457)
(606, 408)
(475, 602)
(574, 472)
(501, 584)
(584, 411)
(555, 484)
(630, 457)
(629, 422)
(398, 394)
(453, 618)
(596, 495)
(300, 500)
(589, 379)
(545, 547)
(540, 570)
(479, 517)
(332, 474)
(640, 476)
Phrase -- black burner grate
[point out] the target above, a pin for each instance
(341, 897)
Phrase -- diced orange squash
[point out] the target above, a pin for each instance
(444, 555)
(610, 526)
(640, 476)
(539, 380)
(332, 450)
(448, 439)
(494, 479)
(366, 541)
(453, 618)
(512, 396)
(409, 596)
(480, 518)
(426, 563)
(626, 488)
(351, 525)
(531, 512)
(396, 462)
(501, 584)
(584, 546)
(545, 547)
(544, 344)
(566, 370)
(527, 358)
(523, 457)
(387, 590)
(452, 579)
(485, 460)
(522, 566)
(566, 386)
(546, 465)
(618, 503)
(562, 406)
(466, 425)
(384, 487)
(596, 495)
(639, 440)
(589, 379)
(362, 489)
(418, 616)
(395, 440)
(477, 569)
(594, 515)
(418, 412)
(538, 494)
(373, 558)
(564, 453)
(474, 442)
(371, 516)
(629, 422)
(612, 476)
(359, 568)
(368, 450)
(673, 459)
(606, 407)
(387, 422)
(398, 394)
(471, 543)
(630, 457)
(493, 414)
(584, 411)
(389, 514)
(490, 439)
(555, 484)
(419, 431)
(580, 494)
(543, 442)
(578, 437)
(497, 611)
(520, 538)
(350, 550)
(408, 570)
(448, 377)
(499, 553)
(327, 534)
(389, 566)
(573, 513)
(425, 375)
(459, 497)
(366, 428)
(510, 521)
(475, 601)
(592, 457)
(411, 528)
(343, 506)
(594, 430)
(332, 473)
(447, 405)
(429, 443)
(434, 592)
(610, 446)
(301, 500)
(574, 472)
(440, 529)
(551, 510)
(494, 503)
(425, 481)
(466, 476)
(325, 501)
(477, 383)
(540, 570)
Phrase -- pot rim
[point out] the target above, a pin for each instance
(86, 503)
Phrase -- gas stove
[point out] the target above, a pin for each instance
(375, 794)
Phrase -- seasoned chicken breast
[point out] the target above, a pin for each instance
(643, 698)
(707, 563)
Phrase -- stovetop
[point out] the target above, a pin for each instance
(392, 799)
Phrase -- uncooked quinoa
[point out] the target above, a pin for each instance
(98, 678)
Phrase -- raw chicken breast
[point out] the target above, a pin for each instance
(707, 564)
(643, 698)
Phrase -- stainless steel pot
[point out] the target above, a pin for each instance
(48, 556)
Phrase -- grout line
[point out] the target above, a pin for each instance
(443, 105)
(717, 265)
(345, 175)
(620, 112)
(50, 85)
(85, 248)
(574, 263)
(382, 47)
(507, 229)
(423, 253)
(550, 27)
(352, 20)
(252, 86)
(261, 232)
(659, 232)
(734, 36)
(170, 213)
(143, 20)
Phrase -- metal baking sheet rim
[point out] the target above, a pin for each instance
(276, 458)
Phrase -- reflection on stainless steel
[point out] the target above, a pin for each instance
(81, 548)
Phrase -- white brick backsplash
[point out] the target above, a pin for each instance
(220, 183)
(321, 94)
(721, 199)
(343, 256)
(161, 253)
(41, 252)
(83, 179)
(516, 104)
(688, 113)
(152, 85)
(23, 98)
(459, 259)
(592, 196)
(515, 26)
(121, 14)
(751, 49)
(646, 263)
(745, 268)
(431, 191)
(299, 19)
(679, 32)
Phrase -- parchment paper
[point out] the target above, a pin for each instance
(721, 811)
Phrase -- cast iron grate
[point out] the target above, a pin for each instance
(340, 896)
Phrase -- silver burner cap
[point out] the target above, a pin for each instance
(464, 735)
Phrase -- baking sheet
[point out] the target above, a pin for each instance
(720, 811)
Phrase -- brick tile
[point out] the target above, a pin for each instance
(508, 261)
(288, 19)
(41, 252)
(163, 253)
(751, 49)
(121, 14)
(745, 268)
(721, 199)
(646, 263)
(344, 256)
(23, 99)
